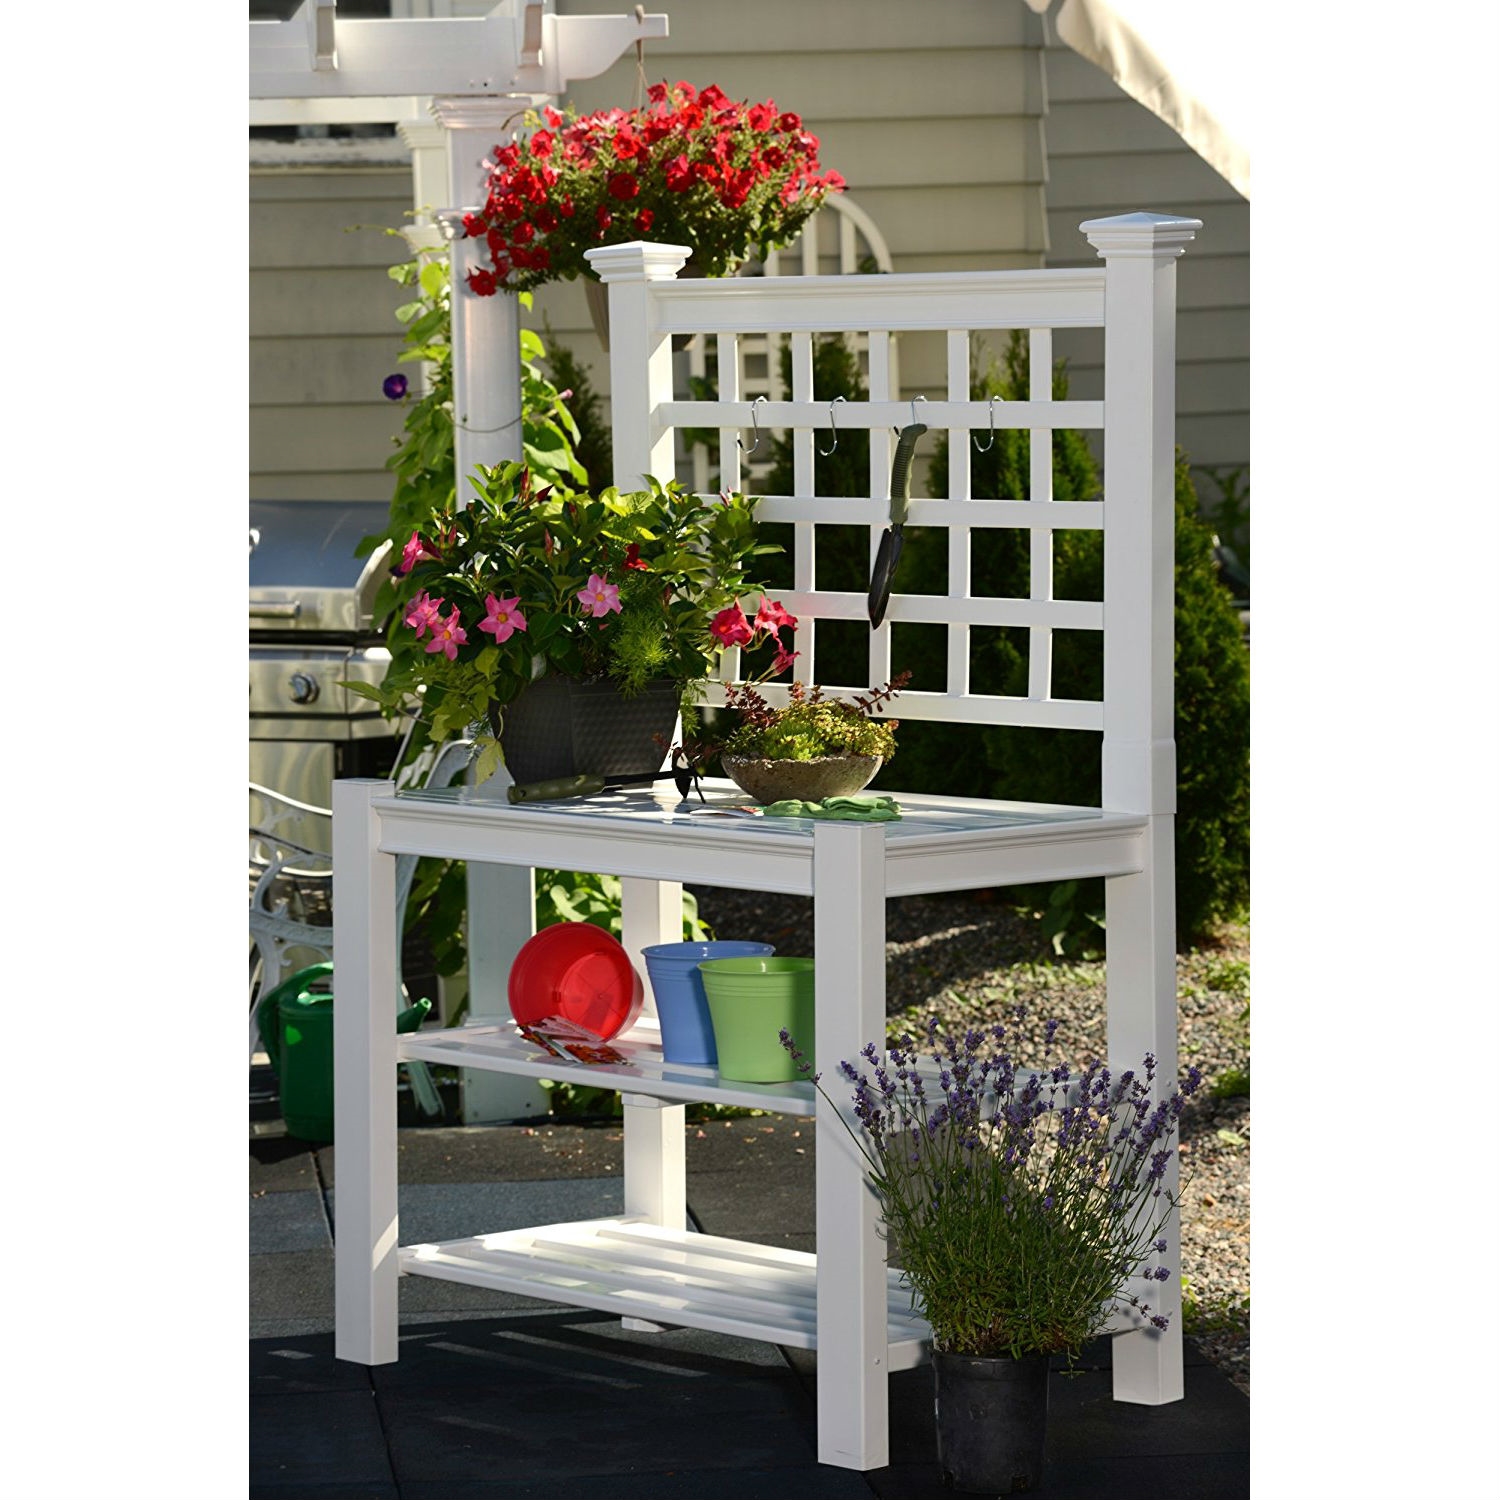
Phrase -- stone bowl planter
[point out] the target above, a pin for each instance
(809, 780)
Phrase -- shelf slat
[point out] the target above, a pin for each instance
(500, 1048)
(639, 1270)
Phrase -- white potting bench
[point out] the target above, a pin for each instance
(646, 1265)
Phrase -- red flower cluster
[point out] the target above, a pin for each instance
(695, 168)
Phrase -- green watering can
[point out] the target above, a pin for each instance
(297, 1028)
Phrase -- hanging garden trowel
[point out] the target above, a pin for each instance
(889, 553)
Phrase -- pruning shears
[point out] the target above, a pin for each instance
(889, 553)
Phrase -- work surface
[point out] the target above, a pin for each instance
(500, 1396)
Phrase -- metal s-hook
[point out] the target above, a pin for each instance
(754, 422)
(824, 452)
(987, 446)
(914, 421)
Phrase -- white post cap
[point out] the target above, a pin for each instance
(638, 260)
(1157, 235)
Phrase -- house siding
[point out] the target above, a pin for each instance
(1108, 154)
(971, 143)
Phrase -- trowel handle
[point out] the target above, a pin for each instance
(906, 443)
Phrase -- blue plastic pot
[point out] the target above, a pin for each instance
(687, 1031)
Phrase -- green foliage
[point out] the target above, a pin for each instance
(674, 559)
(1232, 1083)
(578, 896)
(592, 447)
(805, 730)
(1212, 677)
(423, 463)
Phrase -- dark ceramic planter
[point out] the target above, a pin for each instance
(991, 1422)
(560, 727)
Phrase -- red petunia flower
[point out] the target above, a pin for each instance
(678, 174)
(761, 116)
(541, 144)
(644, 220)
(482, 283)
(624, 186)
(474, 226)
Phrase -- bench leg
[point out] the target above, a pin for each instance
(655, 1147)
(1141, 985)
(849, 948)
(364, 1079)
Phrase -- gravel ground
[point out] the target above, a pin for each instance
(970, 960)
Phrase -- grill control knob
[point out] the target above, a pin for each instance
(304, 687)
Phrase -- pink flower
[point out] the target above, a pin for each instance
(423, 614)
(784, 659)
(415, 551)
(447, 636)
(599, 596)
(731, 628)
(772, 616)
(502, 617)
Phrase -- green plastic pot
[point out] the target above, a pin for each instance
(297, 1027)
(751, 1001)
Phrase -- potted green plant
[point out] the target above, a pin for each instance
(574, 626)
(1020, 1204)
(810, 748)
(726, 177)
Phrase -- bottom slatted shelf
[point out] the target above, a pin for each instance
(641, 1270)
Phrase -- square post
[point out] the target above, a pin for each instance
(655, 1164)
(1139, 757)
(849, 949)
(640, 358)
(364, 1078)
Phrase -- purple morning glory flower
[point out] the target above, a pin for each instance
(394, 387)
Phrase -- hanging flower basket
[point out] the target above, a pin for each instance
(729, 178)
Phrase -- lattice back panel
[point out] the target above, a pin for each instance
(873, 310)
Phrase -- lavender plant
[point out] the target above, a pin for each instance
(1019, 1204)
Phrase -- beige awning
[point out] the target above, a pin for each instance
(1177, 57)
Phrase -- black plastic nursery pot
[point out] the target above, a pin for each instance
(991, 1422)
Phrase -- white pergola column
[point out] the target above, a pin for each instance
(1140, 766)
(486, 430)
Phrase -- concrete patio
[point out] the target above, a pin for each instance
(497, 1395)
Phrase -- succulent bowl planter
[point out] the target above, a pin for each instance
(812, 780)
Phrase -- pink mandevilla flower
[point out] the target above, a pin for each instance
(447, 636)
(772, 616)
(731, 628)
(424, 613)
(784, 659)
(415, 551)
(502, 617)
(599, 596)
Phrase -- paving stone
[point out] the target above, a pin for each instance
(317, 1439)
(804, 1482)
(556, 1426)
(452, 1211)
(279, 1164)
(288, 1288)
(288, 1220)
(297, 1363)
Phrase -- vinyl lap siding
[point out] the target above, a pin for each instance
(323, 331)
(1107, 154)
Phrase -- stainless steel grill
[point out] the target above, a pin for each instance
(312, 624)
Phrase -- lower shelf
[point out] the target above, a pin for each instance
(641, 1270)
